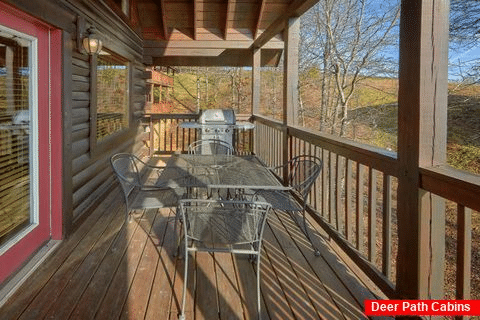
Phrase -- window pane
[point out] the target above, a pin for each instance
(14, 134)
(112, 95)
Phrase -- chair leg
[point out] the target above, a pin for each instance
(178, 237)
(307, 234)
(259, 304)
(304, 227)
(181, 316)
(128, 217)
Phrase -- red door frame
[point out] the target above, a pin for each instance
(49, 64)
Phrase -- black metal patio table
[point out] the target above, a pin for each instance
(219, 172)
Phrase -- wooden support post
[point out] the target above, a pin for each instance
(256, 81)
(421, 143)
(290, 72)
(290, 82)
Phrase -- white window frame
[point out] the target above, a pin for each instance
(33, 138)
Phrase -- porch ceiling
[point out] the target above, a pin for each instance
(213, 32)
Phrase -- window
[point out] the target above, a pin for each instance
(112, 94)
(17, 133)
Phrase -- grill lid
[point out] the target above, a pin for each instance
(217, 116)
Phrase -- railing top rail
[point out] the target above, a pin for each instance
(377, 158)
(270, 122)
(239, 116)
(452, 184)
(172, 115)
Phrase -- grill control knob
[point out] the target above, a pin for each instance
(227, 130)
(207, 130)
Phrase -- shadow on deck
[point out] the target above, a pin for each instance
(111, 270)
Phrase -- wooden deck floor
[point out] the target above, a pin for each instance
(111, 270)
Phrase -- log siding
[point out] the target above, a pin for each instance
(86, 170)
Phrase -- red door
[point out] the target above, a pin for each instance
(30, 137)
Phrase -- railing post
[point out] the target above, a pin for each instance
(256, 80)
(290, 83)
(421, 142)
(256, 59)
(151, 136)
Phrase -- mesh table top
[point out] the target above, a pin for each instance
(219, 171)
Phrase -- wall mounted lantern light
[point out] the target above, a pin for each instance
(88, 40)
(91, 42)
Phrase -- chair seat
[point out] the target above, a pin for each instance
(155, 199)
(282, 200)
(226, 225)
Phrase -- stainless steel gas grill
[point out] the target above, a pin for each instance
(219, 124)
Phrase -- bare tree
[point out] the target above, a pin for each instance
(465, 22)
(345, 39)
(464, 66)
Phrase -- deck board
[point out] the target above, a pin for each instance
(109, 269)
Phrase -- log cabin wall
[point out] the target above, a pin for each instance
(87, 175)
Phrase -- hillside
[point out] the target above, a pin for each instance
(372, 115)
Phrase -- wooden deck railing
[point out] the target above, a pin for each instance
(462, 190)
(165, 135)
(354, 200)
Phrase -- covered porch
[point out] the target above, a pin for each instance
(378, 215)
(109, 269)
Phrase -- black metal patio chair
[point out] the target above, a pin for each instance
(134, 176)
(223, 226)
(303, 170)
(210, 146)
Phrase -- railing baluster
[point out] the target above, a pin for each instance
(348, 200)
(464, 252)
(177, 131)
(331, 172)
(338, 192)
(165, 135)
(372, 214)
(387, 226)
(172, 135)
(151, 136)
(359, 206)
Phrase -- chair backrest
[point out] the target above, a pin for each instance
(224, 221)
(125, 167)
(210, 146)
(303, 171)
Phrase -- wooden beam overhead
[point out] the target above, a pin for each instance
(194, 15)
(228, 16)
(161, 6)
(155, 47)
(295, 9)
(230, 57)
(261, 9)
(164, 19)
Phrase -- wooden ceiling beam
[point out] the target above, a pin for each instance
(232, 58)
(161, 5)
(295, 9)
(195, 23)
(157, 48)
(228, 17)
(261, 9)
